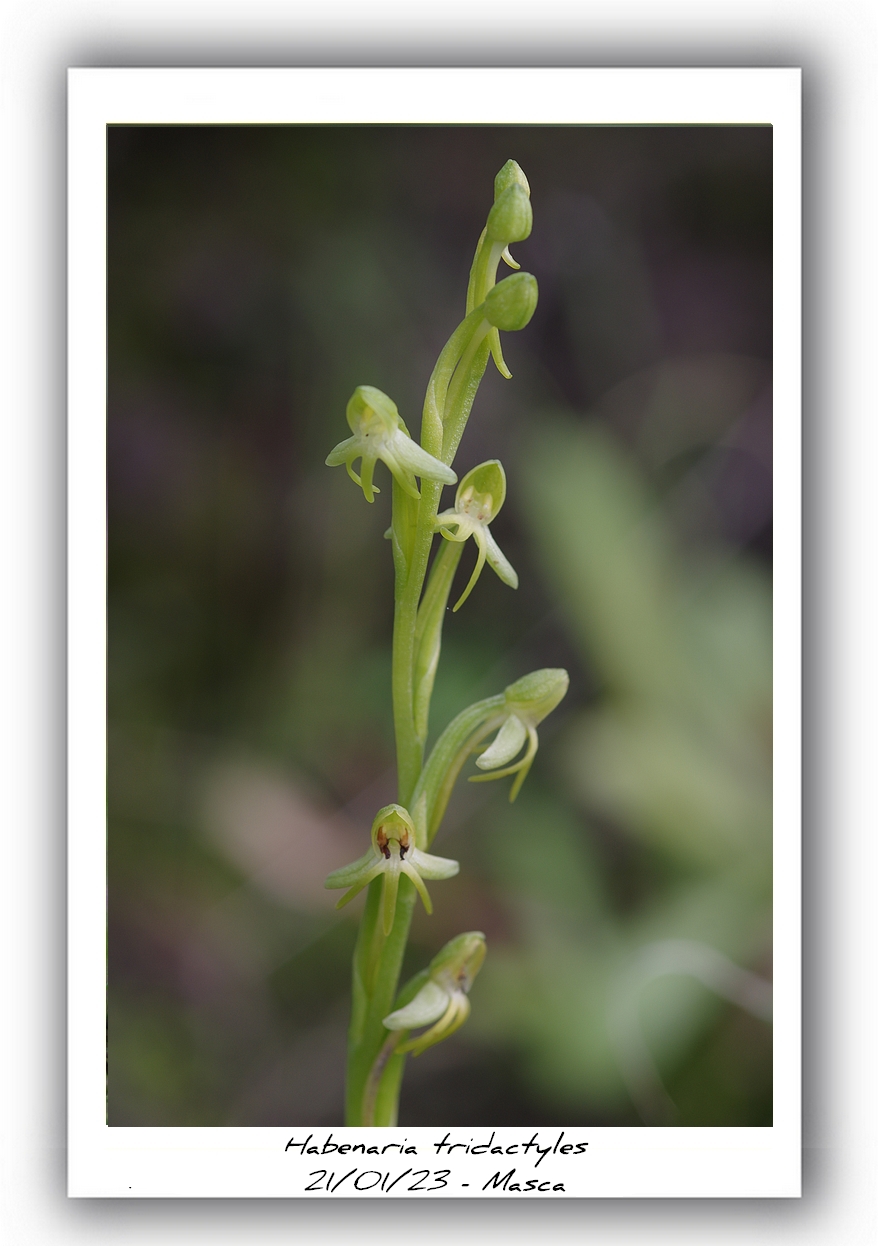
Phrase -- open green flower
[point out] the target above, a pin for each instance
(380, 433)
(527, 702)
(392, 853)
(480, 495)
(443, 997)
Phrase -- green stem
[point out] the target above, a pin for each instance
(463, 389)
(436, 407)
(367, 1033)
(376, 1076)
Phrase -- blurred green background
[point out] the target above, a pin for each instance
(256, 276)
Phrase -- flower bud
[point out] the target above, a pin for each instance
(511, 174)
(512, 302)
(511, 218)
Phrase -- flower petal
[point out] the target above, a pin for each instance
(428, 1005)
(507, 744)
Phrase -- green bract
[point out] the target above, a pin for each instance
(379, 433)
(480, 495)
(392, 853)
(443, 997)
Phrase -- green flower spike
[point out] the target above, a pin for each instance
(392, 853)
(380, 433)
(480, 495)
(527, 702)
(443, 997)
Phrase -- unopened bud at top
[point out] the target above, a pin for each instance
(512, 302)
(511, 218)
(511, 174)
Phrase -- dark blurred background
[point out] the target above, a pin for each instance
(256, 276)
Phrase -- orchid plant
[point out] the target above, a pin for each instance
(397, 861)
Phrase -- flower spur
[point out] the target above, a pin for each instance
(391, 853)
(380, 433)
